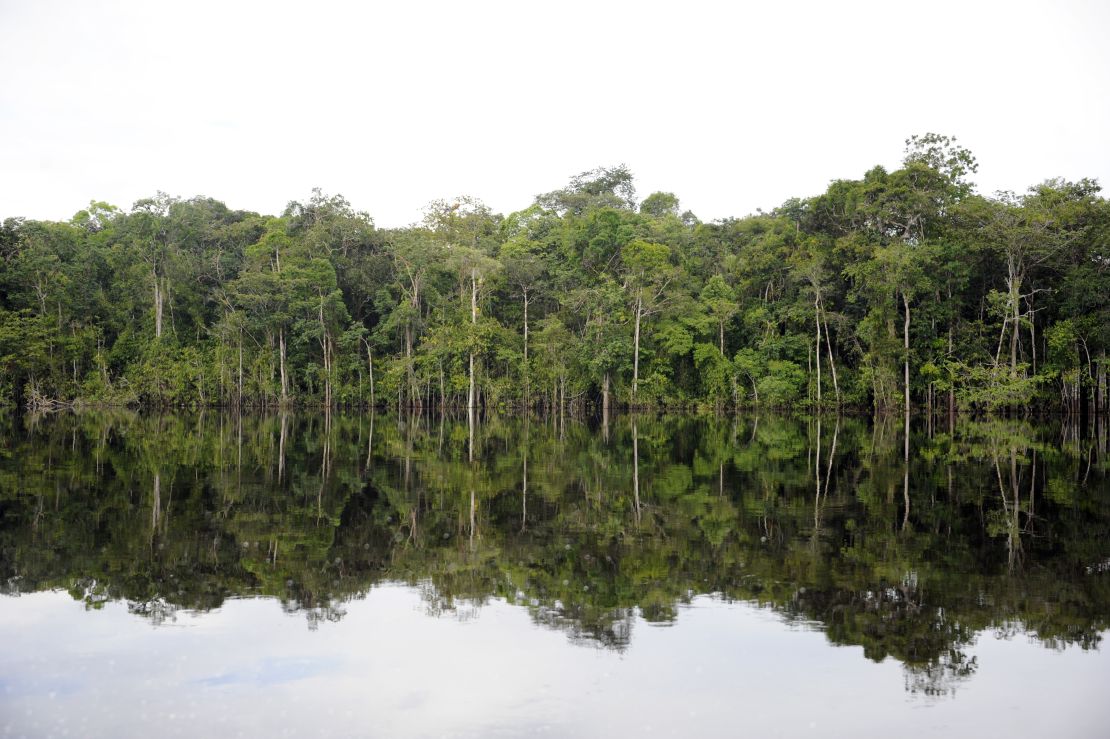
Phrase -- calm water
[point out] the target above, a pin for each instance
(213, 575)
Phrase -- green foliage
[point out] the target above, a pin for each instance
(994, 387)
(782, 384)
(186, 302)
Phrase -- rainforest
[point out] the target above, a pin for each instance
(902, 289)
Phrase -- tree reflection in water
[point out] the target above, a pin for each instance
(909, 550)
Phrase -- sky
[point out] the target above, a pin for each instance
(731, 106)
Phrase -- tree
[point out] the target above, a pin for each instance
(718, 298)
(466, 227)
(525, 271)
(647, 273)
(1026, 233)
(604, 187)
(660, 204)
(417, 254)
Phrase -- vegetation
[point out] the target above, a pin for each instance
(998, 526)
(900, 288)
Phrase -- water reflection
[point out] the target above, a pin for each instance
(909, 547)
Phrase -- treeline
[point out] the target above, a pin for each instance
(903, 287)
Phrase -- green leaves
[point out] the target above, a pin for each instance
(817, 284)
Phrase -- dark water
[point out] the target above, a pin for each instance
(211, 575)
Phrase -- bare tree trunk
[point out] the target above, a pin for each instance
(325, 345)
(1015, 297)
(1089, 398)
(473, 322)
(40, 290)
(906, 347)
(414, 302)
(951, 388)
(281, 359)
(526, 373)
(1033, 334)
(832, 363)
(240, 403)
(636, 350)
(1101, 403)
(370, 362)
(526, 328)
(408, 357)
(817, 320)
(158, 299)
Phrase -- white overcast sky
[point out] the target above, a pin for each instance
(732, 106)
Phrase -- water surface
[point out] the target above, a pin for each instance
(382, 576)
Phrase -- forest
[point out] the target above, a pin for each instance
(903, 289)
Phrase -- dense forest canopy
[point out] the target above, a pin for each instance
(903, 288)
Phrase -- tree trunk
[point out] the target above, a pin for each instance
(157, 304)
(1100, 402)
(370, 362)
(1033, 335)
(327, 371)
(832, 362)
(473, 322)
(951, 388)
(526, 377)
(409, 338)
(240, 403)
(281, 360)
(408, 356)
(817, 320)
(324, 346)
(1015, 297)
(906, 348)
(636, 350)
